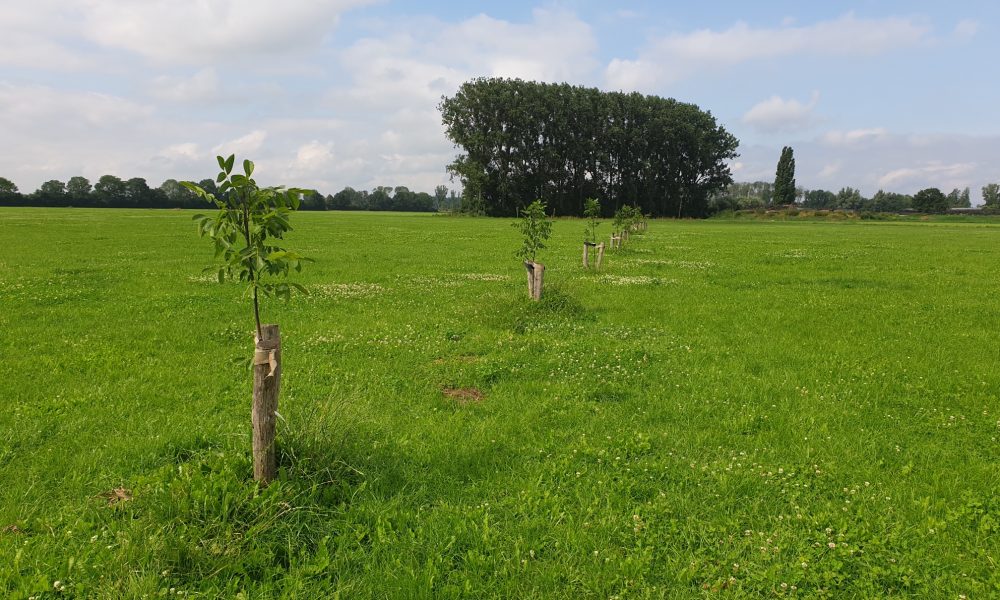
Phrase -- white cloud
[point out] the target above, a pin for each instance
(186, 150)
(966, 28)
(243, 145)
(34, 36)
(831, 169)
(202, 86)
(61, 133)
(435, 58)
(201, 32)
(676, 56)
(853, 136)
(65, 112)
(777, 115)
(948, 176)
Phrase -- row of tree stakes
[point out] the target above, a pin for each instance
(247, 233)
(535, 228)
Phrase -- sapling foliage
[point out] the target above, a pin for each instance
(535, 228)
(621, 218)
(592, 211)
(247, 230)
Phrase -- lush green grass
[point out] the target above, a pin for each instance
(731, 409)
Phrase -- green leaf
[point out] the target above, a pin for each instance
(222, 162)
(229, 163)
(194, 187)
(248, 167)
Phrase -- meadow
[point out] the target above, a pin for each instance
(728, 409)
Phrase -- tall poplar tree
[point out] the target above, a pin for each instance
(784, 179)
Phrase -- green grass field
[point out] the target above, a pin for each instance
(730, 409)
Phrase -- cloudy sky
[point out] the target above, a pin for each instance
(894, 95)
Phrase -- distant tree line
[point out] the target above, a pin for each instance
(399, 198)
(523, 140)
(113, 192)
(108, 192)
(761, 194)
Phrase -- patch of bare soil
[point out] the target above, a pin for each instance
(464, 396)
(116, 495)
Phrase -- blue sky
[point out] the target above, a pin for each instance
(893, 95)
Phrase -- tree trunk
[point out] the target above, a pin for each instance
(266, 383)
(536, 272)
(531, 278)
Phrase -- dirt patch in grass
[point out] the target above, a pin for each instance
(464, 396)
(13, 529)
(116, 495)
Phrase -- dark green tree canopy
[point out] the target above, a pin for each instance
(930, 200)
(991, 195)
(784, 178)
(78, 188)
(523, 140)
(959, 198)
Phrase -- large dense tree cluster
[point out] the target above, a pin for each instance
(524, 140)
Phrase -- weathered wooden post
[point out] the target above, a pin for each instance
(586, 253)
(266, 385)
(536, 273)
(600, 255)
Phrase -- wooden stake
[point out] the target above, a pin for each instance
(586, 257)
(600, 255)
(531, 278)
(539, 271)
(266, 384)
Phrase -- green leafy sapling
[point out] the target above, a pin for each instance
(535, 228)
(634, 217)
(621, 218)
(246, 230)
(592, 211)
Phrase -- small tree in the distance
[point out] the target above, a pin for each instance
(535, 229)
(592, 212)
(784, 179)
(991, 195)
